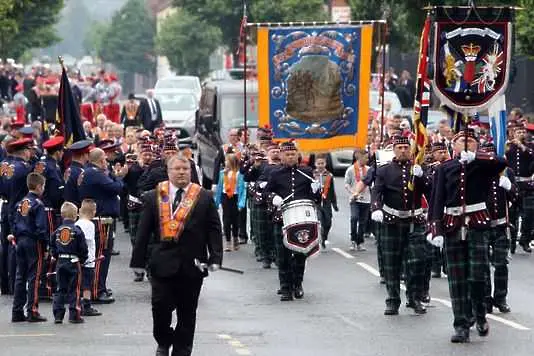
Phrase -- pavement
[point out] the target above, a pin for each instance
(341, 313)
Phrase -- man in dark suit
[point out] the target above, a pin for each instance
(150, 112)
(187, 227)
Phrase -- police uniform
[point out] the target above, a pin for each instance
(521, 161)
(5, 286)
(15, 188)
(291, 183)
(402, 232)
(30, 228)
(103, 188)
(74, 174)
(458, 213)
(70, 250)
(498, 203)
(52, 199)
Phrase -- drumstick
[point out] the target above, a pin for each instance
(286, 198)
(307, 176)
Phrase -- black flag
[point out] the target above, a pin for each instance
(69, 122)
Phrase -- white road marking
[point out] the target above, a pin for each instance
(244, 352)
(224, 337)
(350, 322)
(342, 253)
(25, 335)
(445, 302)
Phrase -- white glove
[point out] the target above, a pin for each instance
(377, 216)
(277, 200)
(214, 267)
(467, 157)
(138, 270)
(504, 182)
(417, 170)
(435, 241)
(214, 187)
(263, 184)
(315, 186)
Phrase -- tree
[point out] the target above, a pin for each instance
(227, 14)
(188, 41)
(94, 37)
(129, 42)
(525, 28)
(29, 24)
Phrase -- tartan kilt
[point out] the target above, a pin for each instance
(134, 216)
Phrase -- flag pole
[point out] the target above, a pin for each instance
(383, 74)
(244, 29)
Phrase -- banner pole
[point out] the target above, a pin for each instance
(245, 123)
(383, 74)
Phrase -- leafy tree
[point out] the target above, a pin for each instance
(187, 41)
(227, 14)
(525, 28)
(94, 37)
(129, 42)
(29, 24)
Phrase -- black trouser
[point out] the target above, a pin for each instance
(325, 217)
(359, 215)
(230, 216)
(243, 224)
(527, 220)
(104, 246)
(291, 265)
(178, 293)
(500, 245)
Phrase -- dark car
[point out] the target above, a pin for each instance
(221, 109)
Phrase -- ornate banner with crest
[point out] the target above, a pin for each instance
(472, 55)
(314, 84)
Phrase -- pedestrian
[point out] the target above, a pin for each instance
(328, 197)
(87, 214)
(185, 221)
(29, 233)
(69, 248)
(290, 182)
(360, 199)
(231, 194)
(398, 209)
(459, 218)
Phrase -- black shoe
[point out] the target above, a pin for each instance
(18, 317)
(299, 292)
(36, 318)
(115, 253)
(259, 259)
(460, 336)
(162, 351)
(436, 274)
(90, 312)
(266, 264)
(391, 310)
(417, 306)
(139, 277)
(426, 299)
(489, 307)
(526, 247)
(286, 295)
(483, 328)
(104, 299)
(109, 292)
(77, 321)
(58, 321)
(503, 307)
(382, 280)
(513, 246)
(279, 291)
(243, 241)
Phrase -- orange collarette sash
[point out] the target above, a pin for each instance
(172, 224)
(326, 187)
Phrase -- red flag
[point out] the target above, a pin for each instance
(242, 33)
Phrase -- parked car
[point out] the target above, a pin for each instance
(221, 109)
(187, 82)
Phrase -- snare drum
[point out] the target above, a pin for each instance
(301, 226)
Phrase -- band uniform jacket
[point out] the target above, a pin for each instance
(392, 191)
(522, 163)
(447, 192)
(201, 239)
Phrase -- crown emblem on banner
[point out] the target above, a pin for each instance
(471, 51)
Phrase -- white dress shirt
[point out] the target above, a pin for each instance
(88, 229)
(172, 193)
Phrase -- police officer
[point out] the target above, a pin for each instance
(503, 191)
(70, 249)
(520, 156)
(459, 217)
(52, 198)
(103, 187)
(30, 232)
(399, 210)
(5, 287)
(290, 182)
(74, 174)
(15, 188)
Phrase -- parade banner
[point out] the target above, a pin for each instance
(314, 84)
(472, 54)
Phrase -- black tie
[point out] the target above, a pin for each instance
(177, 199)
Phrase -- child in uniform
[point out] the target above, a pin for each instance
(328, 197)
